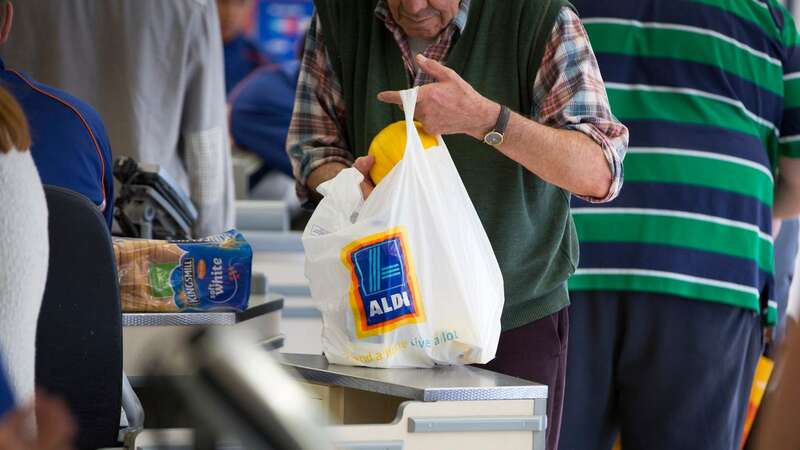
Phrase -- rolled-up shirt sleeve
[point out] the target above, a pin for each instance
(569, 93)
(316, 133)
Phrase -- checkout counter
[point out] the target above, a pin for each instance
(443, 408)
(366, 409)
(461, 408)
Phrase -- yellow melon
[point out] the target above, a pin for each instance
(389, 146)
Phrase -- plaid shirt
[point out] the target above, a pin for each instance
(568, 94)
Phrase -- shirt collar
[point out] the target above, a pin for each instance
(460, 21)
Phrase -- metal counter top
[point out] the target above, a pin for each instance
(259, 305)
(442, 383)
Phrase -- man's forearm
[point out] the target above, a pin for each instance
(322, 174)
(568, 159)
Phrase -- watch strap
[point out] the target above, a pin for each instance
(502, 120)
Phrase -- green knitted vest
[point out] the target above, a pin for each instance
(499, 53)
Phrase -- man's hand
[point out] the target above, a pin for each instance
(450, 105)
(322, 174)
(566, 158)
(329, 171)
(364, 164)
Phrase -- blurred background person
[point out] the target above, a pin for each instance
(25, 248)
(154, 71)
(243, 54)
(23, 274)
(69, 142)
(260, 111)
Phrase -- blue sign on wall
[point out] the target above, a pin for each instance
(281, 24)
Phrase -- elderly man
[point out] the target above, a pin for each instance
(514, 87)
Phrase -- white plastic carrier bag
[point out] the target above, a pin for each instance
(408, 277)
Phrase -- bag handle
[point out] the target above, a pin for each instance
(409, 97)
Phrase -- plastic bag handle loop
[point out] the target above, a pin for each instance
(413, 141)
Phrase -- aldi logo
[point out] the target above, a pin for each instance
(383, 293)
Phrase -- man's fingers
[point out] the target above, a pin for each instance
(364, 164)
(366, 188)
(392, 97)
(434, 68)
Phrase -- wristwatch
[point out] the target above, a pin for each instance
(495, 137)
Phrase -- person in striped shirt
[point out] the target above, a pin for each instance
(676, 274)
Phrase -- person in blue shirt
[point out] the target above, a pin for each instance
(243, 55)
(260, 112)
(70, 145)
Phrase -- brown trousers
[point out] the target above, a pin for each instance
(538, 352)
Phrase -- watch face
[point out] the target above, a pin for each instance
(493, 138)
